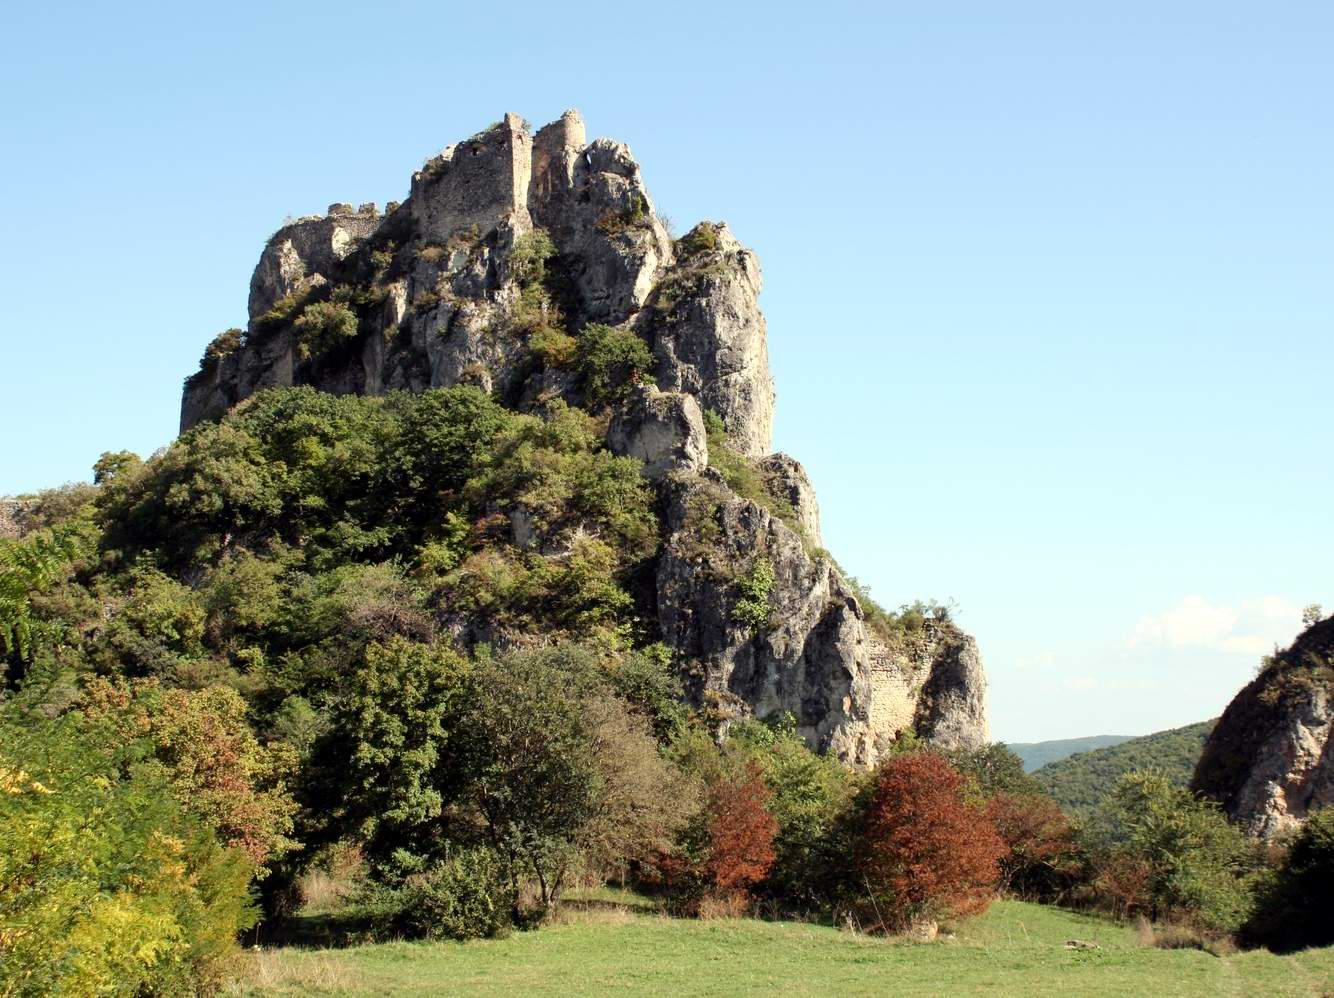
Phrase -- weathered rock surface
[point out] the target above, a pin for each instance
(952, 709)
(1270, 759)
(436, 294)
(787, 479)
(441, 290)
(11, 518)
(665, 430)
(308, 250)
(851, 691)
(709, 334)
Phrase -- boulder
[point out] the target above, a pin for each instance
(665, 430)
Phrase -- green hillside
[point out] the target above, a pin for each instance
(1080, 782)
(1038, 754)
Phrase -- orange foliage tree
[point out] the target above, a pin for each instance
(741, 831)
(924, 851)
(218, 770)
(1039, 842)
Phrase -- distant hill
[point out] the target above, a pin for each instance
(1038, 754)
(1080, 782)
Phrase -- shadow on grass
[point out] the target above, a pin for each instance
(324, 931)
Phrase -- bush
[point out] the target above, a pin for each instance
(610, 360)
(528, 259)
(322, 326)
(751, 610)
(1159, 851)
(467, 896)
(647, 681)
(224, 344)
(1040, 848)
(703, 238)
(728, 846)
(741, 831)
(924, 852)
(809, 794)
(555, 347)
(1293, 910)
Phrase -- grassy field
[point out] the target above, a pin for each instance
(606, 947)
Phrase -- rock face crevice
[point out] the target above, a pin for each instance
(443, 290)
(1270, 759)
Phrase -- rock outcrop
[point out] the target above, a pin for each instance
(786, 478)
(308, 251)
(512, 251)
(813, 652)
(1270, 759)
(665, 430)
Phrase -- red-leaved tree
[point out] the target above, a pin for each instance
(924, 852)
(741, 831)
(1039, 843)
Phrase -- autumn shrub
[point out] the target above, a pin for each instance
(728, 847)
(1119, 881)
(106, 885)
(1041, 852)
(217, 769)
(924, 851)
(741, 831)
(809, 793)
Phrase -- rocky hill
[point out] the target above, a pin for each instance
(1270, 760)
(535, 267)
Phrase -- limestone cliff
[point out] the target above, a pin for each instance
(435, 289)
(1270, 759)
(510, 246)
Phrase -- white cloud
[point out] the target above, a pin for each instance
(1250, 628)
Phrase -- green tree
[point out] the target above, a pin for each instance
(561, 772)
(393, 734)
(610, 359)
(27, 567)
(1196, 864)
(991, 770)
(1293, 911)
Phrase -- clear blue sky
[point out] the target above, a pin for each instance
(1050, 286)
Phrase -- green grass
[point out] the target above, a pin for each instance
(611, 947)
